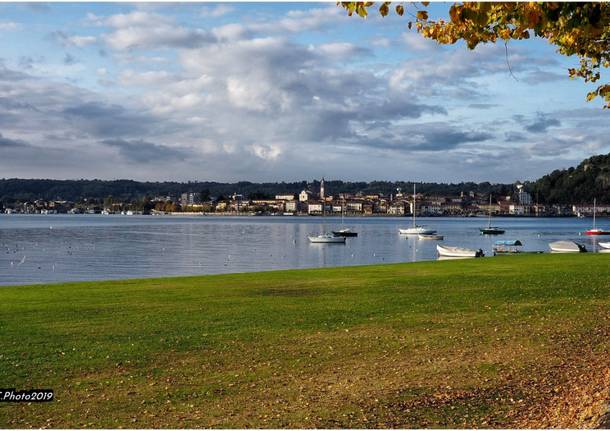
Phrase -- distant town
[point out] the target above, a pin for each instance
(312, 201)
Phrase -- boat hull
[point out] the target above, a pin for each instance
(597, 232)
(605, 245)
(491, 231)
(566, 247)
(447, 251)
(418, 230)
(345, 234)
(327, 239)
(432, 237)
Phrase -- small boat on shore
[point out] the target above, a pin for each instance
(605, 245)
(347, 232)
(326, 238)
(431, 236)
(448, 251)
(507, 247)
(566, 247)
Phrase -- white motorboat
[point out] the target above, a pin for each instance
(448, 251)
(326, 238)
(605, 245)
(416, 229)
(431, 236)
(566, 247)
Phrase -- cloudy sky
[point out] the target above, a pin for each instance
(273, 92)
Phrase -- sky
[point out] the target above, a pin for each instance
(278, 92)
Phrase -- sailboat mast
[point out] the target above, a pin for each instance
(594, 210)
(414, 205)
(489, 217)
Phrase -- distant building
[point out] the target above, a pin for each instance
(291, 206)
(314, 208)
(190, 199)
(284, 197)
(304, 196)
(523, 197)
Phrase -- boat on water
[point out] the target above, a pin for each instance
(490, 230)
(415, 229)
(605, 245)
(448, 251)
(326, 238)
(566, 247)
(344, 231)
(507, 247)
(594, 230)
(347, 232)
(431, 236)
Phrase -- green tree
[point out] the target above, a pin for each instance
(581, 29)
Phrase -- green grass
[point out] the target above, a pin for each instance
(444, 344)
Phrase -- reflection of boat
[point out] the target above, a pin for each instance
(431, 236)
(605, 245)
(595, 230)
(447, 251)
(507, 246)
(566, 247)
(327, 239)
(415, 229)
(491, 230)
(345, 232)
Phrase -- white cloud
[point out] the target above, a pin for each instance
(141, 29)
(217, 11)
(81, 41)
(9, 26)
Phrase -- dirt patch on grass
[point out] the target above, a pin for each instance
(288, 291)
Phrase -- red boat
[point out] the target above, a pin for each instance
(595, 230)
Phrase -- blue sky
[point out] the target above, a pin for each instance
(274, 92)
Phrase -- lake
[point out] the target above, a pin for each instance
(55, 248)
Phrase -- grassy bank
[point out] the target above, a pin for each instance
(488, 342)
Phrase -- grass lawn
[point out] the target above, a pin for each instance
(501, 342)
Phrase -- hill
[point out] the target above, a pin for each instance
(579, 185)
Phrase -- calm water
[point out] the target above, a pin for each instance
(52, 248)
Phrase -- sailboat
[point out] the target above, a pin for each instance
(416, 229)
(344, 232)
(491, 230)
(595, 230)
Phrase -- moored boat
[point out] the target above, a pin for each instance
(605, 245)
(448, 251)
(595, 230)
(566, 247)
(347, 232)
(430, 236)
(415, 229)
(491, 230)
(326, 239)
